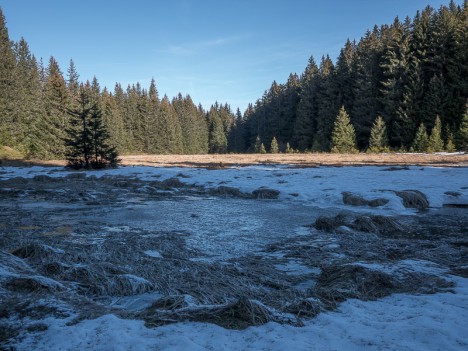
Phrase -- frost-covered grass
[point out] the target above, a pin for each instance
(399, 322)
(121, 253)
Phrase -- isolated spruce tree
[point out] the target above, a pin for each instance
(274, 149)
(462, 135)
(436, 144)
(421, 140)
(344, 135)
(87, 139)
(378, 141)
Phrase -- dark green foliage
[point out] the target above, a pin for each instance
(87, 139)
(7, 82)
(217, 137)
(378, 141)
(57, 102)
(344, 135)
(462, 135)
(420, 143)
(407, 72)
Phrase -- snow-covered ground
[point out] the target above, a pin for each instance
(318, 187)
(397, 322)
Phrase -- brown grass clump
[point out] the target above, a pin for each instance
(240, 314)
(413, 199)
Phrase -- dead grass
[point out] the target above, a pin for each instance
(299, 160)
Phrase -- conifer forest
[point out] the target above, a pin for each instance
(402, 86)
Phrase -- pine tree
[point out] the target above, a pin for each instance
(217, 138)
(33, 130)
(87, 139)
(7, 85)
(170, 129)
(378, 141)
(73, 80)
(435, 143)
(306, 121)
(421, 140)
(262, 149)
(56, 105)
(462, 135)
(289, 150)
(274, 146)
(344, 135)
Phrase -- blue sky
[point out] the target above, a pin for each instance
(229, 51)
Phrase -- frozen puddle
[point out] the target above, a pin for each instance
(295, 267)
(219, 228)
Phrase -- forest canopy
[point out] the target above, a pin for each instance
(410, 75)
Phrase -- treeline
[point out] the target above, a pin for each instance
(408, 73)
(37, 103)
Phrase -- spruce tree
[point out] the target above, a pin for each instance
(378, 141)
(274, 149)
(435, 143)
(421, 140)
(289, 150)
(344, 135)
(87, 139)
(462, 135)
(73, 80)
(217, 138)
(7, 84)
(57, 102)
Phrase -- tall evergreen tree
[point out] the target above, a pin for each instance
(217, 137)
(170, 128)
(462, 135)
(7, 86)
(344, 135)
(33, 130)
(87, 140)
(327, 104)
(73, 83)
(307, 109)
(56, 106)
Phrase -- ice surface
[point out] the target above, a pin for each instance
(321, 186)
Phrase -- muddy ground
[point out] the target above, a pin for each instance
(165, 251)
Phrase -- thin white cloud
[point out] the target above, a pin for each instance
(197, 47)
